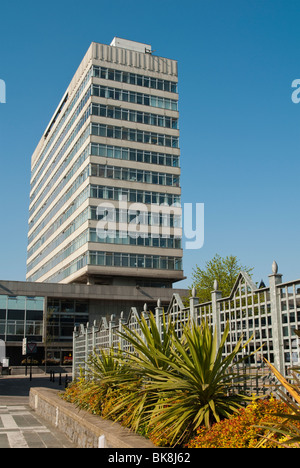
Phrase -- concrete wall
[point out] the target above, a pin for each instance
(83, 291)
(82, 428)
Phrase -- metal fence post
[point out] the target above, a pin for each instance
(121, 323)
(111, 326)
(215, 295)
(158, 316)
(74, 354)
(144, 314)
(86, 357)
(94, 335)
(276, 315)
(194, 300)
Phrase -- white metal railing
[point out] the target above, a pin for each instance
(269, 315)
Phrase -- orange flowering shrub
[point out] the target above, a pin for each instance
(85, 395)
(241, 431)
(159, 437)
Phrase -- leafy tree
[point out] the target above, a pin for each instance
(223, 269)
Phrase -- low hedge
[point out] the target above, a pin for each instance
(242, 430)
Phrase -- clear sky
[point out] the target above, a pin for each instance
(239, 129)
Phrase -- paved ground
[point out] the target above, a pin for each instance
(20, 426)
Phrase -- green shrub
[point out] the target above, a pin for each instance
(166, 389)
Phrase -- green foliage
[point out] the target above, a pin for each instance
(149, 354)
(223, 269)
(166, 388)
(195, 387)
(102, 365)
(244, 429)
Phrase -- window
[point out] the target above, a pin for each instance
(134, 97)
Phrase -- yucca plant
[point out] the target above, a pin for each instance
(183, 382)
(151, 351)
(103, 363)
(93, 385)
(195, 388)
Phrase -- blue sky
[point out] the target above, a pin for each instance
(239, 129)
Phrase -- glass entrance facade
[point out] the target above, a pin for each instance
(20, 317)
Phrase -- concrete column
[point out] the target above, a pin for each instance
(215, 295)
(194, 300)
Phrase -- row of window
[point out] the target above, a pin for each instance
(97, 149)
(146, 118)
(115, 194)
(62, 255)
(62, 184)
(61, 122)
(100, 192)
(62, 315)
(64, 198)
(133, 238)
(120, 76)
(134, 79)
(125, 260)
(60, 308)
(134, 196)
(136, 98)
(115, 132)
(146, 218)
(125, 114)
(20, 316)
(109, 172)
(15, 330)
(91, 235)
(120, 216)
(79, 200)
(61, 155)
(117, 259)
(78, 221)
(63, 134)
(25, 303)
(132, 154)
(134, 175)
(132, 134)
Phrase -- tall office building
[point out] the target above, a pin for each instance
(105, 177)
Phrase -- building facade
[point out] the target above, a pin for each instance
(105, 192)
(46, 314)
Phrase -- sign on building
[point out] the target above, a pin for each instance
(28, 348)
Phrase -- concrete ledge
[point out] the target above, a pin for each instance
(83, 429)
